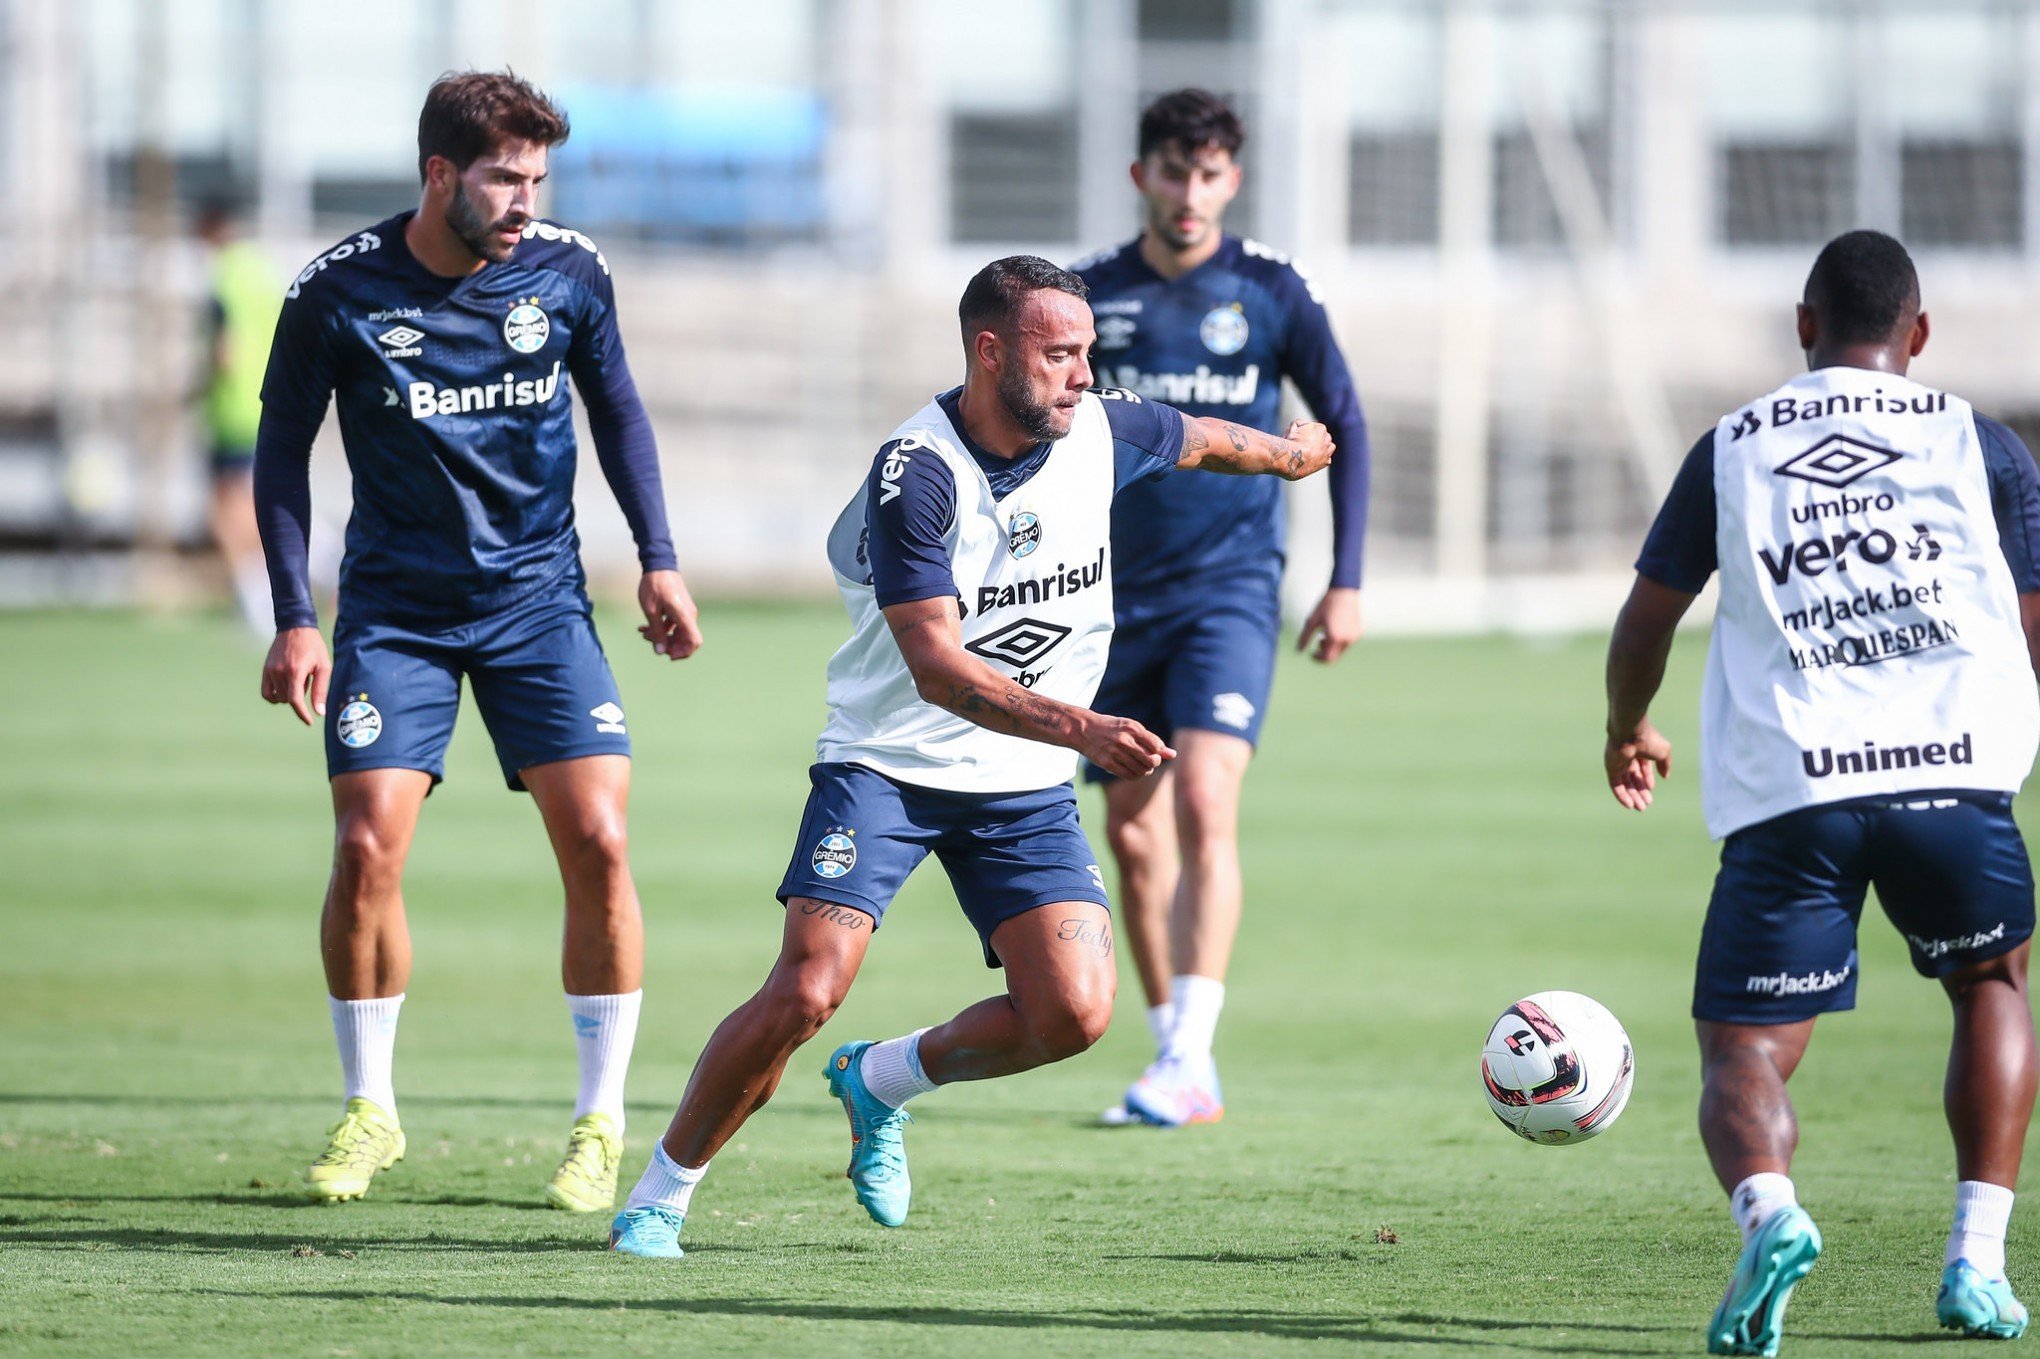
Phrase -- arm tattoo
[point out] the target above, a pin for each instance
(1235, 436)
(1013, 711)
(1194, 441)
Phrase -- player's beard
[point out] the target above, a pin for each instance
(477, 234)
(1042, 419)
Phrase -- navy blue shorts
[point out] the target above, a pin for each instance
(538, 672)
(1779, 945)
(230, 460)
(1207, 666)
(1005, 853)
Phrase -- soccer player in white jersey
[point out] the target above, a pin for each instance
(1868, 713)
(975, 563)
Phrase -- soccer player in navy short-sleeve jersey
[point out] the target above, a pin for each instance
(1868, 713)
(448, 338)
(1212, 324)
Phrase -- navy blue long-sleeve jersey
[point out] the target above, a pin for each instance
(1218, 341)
(457, 422)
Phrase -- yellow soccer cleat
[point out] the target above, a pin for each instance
(586, 1179)
(364, 1141)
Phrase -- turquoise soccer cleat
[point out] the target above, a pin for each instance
(651, 1231)
(1751, 1317)
(878, 1153)
(1977, 1306)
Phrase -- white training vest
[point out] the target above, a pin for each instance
(1035, 574)
(1868, 637)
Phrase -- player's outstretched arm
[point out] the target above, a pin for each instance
(930, 637)
(297, 672)
(1637, 754)
(1222, 446)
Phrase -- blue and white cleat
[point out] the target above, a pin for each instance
(878, 1153)
(1175, 1092)
(651, 1231)
(1977, 1306)
(1751, 1317)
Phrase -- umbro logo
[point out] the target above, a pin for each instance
(608, 718)
(401, 342)
(1020, 643)
(1836, 461)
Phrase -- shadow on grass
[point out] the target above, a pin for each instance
(230, 1198)
(325, 1234)
(226, 1198)
(1280, 1325)
(651, 1110)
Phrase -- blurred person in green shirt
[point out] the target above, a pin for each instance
(243, 296)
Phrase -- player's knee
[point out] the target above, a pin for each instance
(1207, 816)
(365, 854)
(598, 843)
(802, 1000)
(1073, 1031)
(1071, 1024)
(1134, 838)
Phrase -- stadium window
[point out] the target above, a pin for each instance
(1396, 63)
(1960, 166)
(1010, 98)
(1011, 177)
(1779, 105)
(1568, 54)
(1190, 20)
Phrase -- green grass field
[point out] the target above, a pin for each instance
(1426, 839)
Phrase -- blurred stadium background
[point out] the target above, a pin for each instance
(1556, 238)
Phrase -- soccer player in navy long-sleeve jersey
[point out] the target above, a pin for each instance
(447, 336)
(1212, 324)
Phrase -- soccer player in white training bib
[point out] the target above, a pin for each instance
(976, 565)
(447, 336)
(1868, 713)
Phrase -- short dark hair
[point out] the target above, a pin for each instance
(996, 293)
(470, 113)
(1192, 119)
(1862, 286)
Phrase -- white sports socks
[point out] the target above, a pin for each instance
(1197, 1001)
(1753, 1202)
(892, 1069)
(665, 1182)
(605, 1029)
(1982, 1211)
(1161, 1022)
(366, 1031)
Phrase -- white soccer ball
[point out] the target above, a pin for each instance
(1557, 1068)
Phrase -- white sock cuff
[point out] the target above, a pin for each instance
(1756, 1198)
(666, 1182)
(606, 1007)
(1197, 1001)
(1982, 1213)
(366, 1033)
(1161, 1021)
(374, 1008)
(892, 1069)
(605, 1030)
